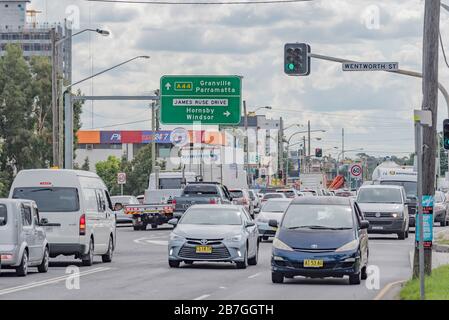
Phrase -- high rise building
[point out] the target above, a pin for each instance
(34, 38)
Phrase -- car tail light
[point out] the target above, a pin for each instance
(245, 201)
(6, 257)
(83, 225)
(213, 201)
(173, 202)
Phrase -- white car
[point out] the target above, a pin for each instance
(77, 209)
(271, 209)
(273, 195)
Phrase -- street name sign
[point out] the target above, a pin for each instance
(370, 66)
(427, 210)
(205, 99)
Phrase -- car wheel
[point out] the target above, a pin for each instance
(107, 257)
(355, 278)
(401, 235)
(244, 263)
(22, 269)
(277, 277)
(136, 228)
(443, 222)
(407, 233)
(173, 263)
(253, 260)
(88, 259)
(153, 226)
(43, 267)
(363, 273)
(265, 238)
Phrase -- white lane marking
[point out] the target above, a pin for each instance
(222, 287)
(204, 296)
(254, 275)
(158, 242)
(49, 281)
(408, 244)
(387, 288)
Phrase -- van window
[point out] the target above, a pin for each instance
(50, 199)
(26, 216)
(3, 215)
(90, 199)
(101, 203)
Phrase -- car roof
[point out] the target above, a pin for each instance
(216, 206)
(325, 200)
(279, 200)
(374, 186)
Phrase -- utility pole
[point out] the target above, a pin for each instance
(245, 144)
(308, 138)
(281, 149)
(54, 99)
(430, 102)
(343, 143)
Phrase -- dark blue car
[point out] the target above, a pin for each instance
(321, 237)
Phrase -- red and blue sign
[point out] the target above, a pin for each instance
(118, 137)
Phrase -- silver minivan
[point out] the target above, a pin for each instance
(23, 242)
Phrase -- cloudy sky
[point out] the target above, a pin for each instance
(375, 108)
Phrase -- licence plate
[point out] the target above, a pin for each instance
(313, 263)
(203, 249)
(377, 227)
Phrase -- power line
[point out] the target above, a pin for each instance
(202, 2)
(442, 49)
(121, 124)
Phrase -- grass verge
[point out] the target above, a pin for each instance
(436, 286)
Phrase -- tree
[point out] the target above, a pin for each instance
(108, 170)
(138, 172)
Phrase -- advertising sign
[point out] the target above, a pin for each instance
(427, 203)
(110, 137)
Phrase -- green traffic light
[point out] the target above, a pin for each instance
(291, 66)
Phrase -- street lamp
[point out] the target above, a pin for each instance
(57, 107)
(68, 142)
(293, 125)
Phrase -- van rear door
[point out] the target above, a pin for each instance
(60, 206)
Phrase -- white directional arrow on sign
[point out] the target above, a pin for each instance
(227, 114)
(168, 86)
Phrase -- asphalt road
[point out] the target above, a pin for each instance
(140, 271)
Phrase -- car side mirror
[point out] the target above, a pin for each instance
(250, 224)
(256, 210)
(118, 206)
(173, 222)
(43, 221)
(364, 224)
(273, 223)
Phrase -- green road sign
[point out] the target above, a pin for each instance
(205, 99)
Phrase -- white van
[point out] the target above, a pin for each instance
(77, 210)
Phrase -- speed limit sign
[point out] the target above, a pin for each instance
(356, 170)
(121, 178)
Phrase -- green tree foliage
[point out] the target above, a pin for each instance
(108, 171)
(25, 114)
(86, 165)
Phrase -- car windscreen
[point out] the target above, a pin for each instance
(411, 187)
(236, 193)
(439, 197)
(379, 195)
(251, 195)
(275, 206)
(170, 183)
(315, 216)
(266, 190)
(200, 189)
(50, 199)
(272, 196)
(3, 215)
(205, 216)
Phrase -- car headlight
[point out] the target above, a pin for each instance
(396, 214)
(236, 238)
(348, 246)
(278, 244)
(175, 237)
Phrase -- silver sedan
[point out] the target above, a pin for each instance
(214, 233)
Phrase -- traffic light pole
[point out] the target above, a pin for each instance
(414, 74)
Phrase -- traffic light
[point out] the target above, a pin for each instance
(446, 134)
(318, 152)
(297, 59)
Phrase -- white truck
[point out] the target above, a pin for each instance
(312, 181)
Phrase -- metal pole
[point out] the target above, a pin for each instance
(68, 131)
(121, 189)
(246, 137)
(54, 104)
(343, 143)
(286, 162)
(418, 144)
(153, 140)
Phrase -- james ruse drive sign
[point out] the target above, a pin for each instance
(205, 99)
